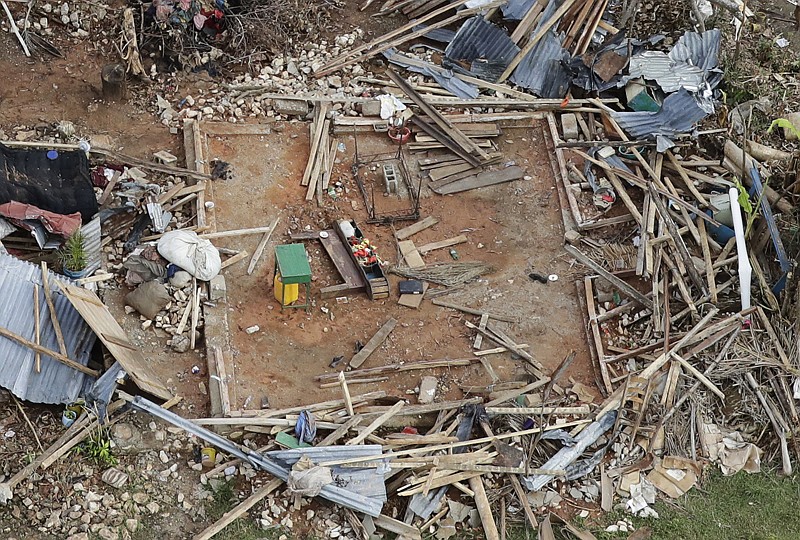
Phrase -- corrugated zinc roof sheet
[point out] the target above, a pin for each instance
(669, 74)
(679, 113)
(543, 71)
(515, 10)
(699, 50)
(482, 41)
(92, 240)
(56, 383)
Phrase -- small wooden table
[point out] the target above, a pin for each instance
(291, 263)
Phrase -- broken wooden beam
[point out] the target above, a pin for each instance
(374, 342)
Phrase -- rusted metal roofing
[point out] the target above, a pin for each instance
(487, 47)
(56, 383)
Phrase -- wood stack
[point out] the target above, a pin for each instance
(321, 154)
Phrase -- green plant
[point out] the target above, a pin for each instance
(98, 449)
(73, 253)
(785, 124)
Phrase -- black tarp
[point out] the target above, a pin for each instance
(61, 185)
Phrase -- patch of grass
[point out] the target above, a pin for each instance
(744, 506)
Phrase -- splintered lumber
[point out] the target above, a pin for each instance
(319, 122)
(582, 409)
(450, 130)
(4, 332)
(484, 508)
(373, 343)
(400, 368)
(403, 530)
(232, 515)
(15, 29)
(260, 249)
(496, 350)
(541, 31)
(348, 402)
(414, 228)
(512, 394)
(355, 381)
(460, 444)
(331, 404)
(460, 239)
(397, 37)
(629, 291)
(776, 425)
(473, 311)
(340, 432)
(484, 179)
(378, 422)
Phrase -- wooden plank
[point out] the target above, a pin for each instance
(319, 121)
(449, 129)
(340, 256)
(36, 328)
(109, 189)
(378, 422)
(234, 259)
(221, 379)
(629, 291)
(4, 332)
(460, 239)
(496, 350)
(260, 249)
(410, 254)
(235, 232)
(341, 430)
(484, 179)
(48, 296)
(232, 515)
(348, 401)
(320, 160)
(414, 228)
(484, 508)
(413, 300)
(103, 324)
(444, 172)
(481, 327)
(403, 530)
(373, 343)
(473, 311)
(596, 337)
(542, 29)
(397, 37)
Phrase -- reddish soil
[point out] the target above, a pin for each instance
(518, 225)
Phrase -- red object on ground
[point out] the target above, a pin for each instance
(408, 430)
(399, 135)
(62, 225)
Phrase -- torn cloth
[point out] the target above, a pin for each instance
(59, 224)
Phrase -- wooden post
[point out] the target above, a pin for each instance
(36, 326)
(115, 87)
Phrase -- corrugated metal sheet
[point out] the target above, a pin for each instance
(515, 10)
(679, 113)
(669, 74)
(56, 383)
(442, 35)
(544, 70)
(6, 228)
(699, 50)
(487, 47)
(443, 77)
(92, 239)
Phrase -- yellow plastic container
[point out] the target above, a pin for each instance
(292, 291)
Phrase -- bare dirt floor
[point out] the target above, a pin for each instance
(515, 227)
